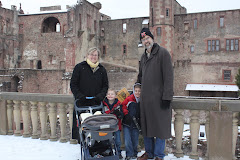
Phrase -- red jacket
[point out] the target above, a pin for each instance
(125, 103)
(110, 109)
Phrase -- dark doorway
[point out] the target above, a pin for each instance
(14, 84)
(39, 64)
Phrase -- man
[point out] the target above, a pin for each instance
(156, 77)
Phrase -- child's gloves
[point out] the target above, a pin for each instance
(118, 113)
(166, 104)
(128, 119)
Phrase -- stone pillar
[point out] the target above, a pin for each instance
(16, 114)
(63, 121)
(194, 130)
(26, 119)
(43, 120)
(34, 118)
(235, 133)
(207, 131)
(3, 117)
(178, 128)
(53, 121)
(71, 108)
(10, 116)
(220, 135)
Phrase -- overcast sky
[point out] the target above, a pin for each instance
(118, 9)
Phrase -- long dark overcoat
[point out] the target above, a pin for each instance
(156, 77)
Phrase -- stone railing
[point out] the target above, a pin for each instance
(37, 111)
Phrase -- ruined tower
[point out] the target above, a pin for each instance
(161, 22)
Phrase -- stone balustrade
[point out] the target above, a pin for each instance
(37, 111)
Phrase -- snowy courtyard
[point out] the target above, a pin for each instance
(13, 147)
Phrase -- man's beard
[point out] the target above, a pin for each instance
(149, 46)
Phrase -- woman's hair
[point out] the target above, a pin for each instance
(90, 50)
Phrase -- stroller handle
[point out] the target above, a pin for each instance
(82, 108)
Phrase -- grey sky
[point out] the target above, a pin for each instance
(118, 9)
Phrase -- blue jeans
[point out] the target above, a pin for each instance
(131, 140)
(154, 148)
(118, 140)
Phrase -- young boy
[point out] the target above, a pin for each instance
(131, 121)
(113, 106)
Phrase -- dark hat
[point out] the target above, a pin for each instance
(144, 32)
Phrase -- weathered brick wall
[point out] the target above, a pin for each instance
(47, 47)
(85, 19)
(119, 80)
(43, 81)
(203, 66)
(114, 39)
(9, 38)
(32, 81)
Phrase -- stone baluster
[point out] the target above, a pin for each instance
(53, 121)
(194, 130)
(71, 108)
(26, 118)
(10, 116)
(63, 121)
(34, 118)
(235, 133)
(207, 131)
(16, 114)
(43, 120)
(178, 128)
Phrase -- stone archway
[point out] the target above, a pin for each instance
(50, 24)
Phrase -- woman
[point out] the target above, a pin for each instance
(89, 79)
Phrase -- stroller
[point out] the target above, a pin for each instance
(96, 133)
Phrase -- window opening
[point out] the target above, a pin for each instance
(39, 64)
(192, 48)
(58, 27)
(213, 45)
(124, 49)
(232, 44)
(227, 74)
(124, 27)
(195, 23)
(221, 21)
(159, 31)
(50, 25)
(104, 50)
(167, 12)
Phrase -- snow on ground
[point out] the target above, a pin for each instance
(13, 147)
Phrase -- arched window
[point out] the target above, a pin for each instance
(50, 24)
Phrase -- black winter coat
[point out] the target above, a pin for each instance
(85, 83)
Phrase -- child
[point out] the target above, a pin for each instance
(113, 106)
(131, 121)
